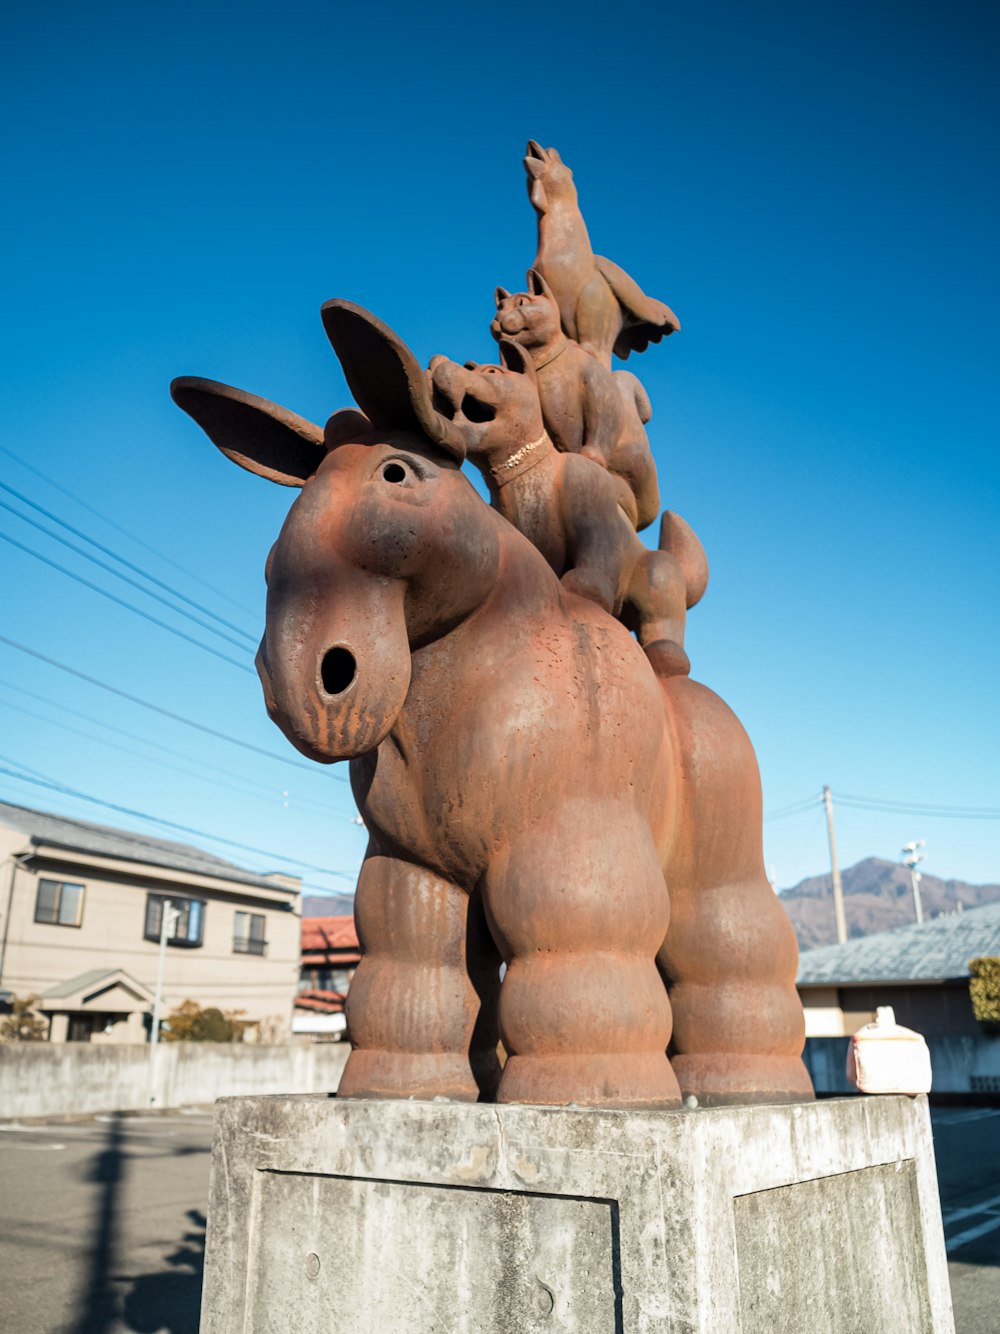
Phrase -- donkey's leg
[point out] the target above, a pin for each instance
(578, 907)
(655, 608)
(730, 954)
(422, 1005)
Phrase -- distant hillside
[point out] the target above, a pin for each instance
(328, 905)
(877, 896)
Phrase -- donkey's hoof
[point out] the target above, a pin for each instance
(619, 1079)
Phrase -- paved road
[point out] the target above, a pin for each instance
(102, 1222)
(967, 1146)
(102, 1225)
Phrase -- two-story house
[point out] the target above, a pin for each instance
(81, 908)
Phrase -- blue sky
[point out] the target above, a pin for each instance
(811, 188)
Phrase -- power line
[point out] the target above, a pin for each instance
(53, 786)
(300, 802)
(146, 616)
(112, 523)
(166, 713)
(796, 860)
(794, 808)
(934, 811)
(242, 789)
(133, 583)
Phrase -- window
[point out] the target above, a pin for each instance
(59, 904)
(326, 979)
(248, 933)
(188, 926)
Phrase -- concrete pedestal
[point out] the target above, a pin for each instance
(393, 1217)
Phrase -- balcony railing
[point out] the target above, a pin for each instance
(248, 945)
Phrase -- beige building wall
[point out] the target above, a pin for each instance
(824, 1017)
(40, 955)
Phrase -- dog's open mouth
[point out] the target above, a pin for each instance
(474, 410)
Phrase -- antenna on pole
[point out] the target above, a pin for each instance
(838, 890)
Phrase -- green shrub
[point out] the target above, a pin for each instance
(984, 988)
(190, 1023)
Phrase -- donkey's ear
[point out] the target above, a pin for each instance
(387, 381)
(515, 358)
(254, 432)
(500, 296)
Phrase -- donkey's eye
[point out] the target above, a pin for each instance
(404, 473)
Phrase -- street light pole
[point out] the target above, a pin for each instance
(168, 921)
(912, 857)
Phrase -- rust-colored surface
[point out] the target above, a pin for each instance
(543, 784)
(602, 308)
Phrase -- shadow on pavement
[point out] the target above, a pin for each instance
(98, 1308)
(157, 1303)
(171, 1301)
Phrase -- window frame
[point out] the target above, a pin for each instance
(248, 942)
(60, 885)
(183, 903)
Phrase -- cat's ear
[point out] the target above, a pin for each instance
(537, 285)
(500, 296)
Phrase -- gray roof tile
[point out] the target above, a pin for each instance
(930, 952)
(86, 981)
(105, 841)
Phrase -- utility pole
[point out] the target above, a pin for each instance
(838, 889)
(912, 857)
(168, 921)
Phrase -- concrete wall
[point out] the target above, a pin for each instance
(958, 1064)
(38, 1079)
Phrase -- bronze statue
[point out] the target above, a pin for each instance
(602, 308)
(539, 790)
(586, 408)
(568, 505)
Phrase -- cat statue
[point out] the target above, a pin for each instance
(567, 504)
(587, 408)
(602, 308)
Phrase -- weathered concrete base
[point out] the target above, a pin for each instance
(377, 1217)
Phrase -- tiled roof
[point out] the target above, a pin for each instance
(322, 934)
(931, 952)
(104, 841)
(324, 1002)
(88, 981)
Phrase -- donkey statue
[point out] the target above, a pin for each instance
(535, 794)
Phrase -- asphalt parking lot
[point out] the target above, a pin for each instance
(102, 1221)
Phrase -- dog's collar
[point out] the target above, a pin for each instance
(521, 460)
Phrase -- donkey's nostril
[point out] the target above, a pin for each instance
(338, 670)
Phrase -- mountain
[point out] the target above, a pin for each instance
(328, 905)
(877, 896)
